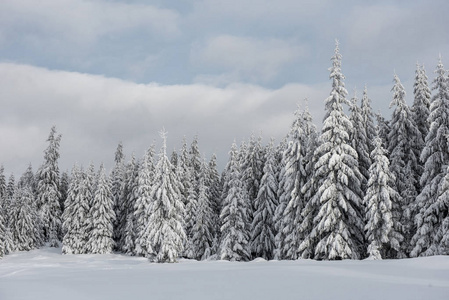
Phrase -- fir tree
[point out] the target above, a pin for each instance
(143, 200)
(48, 194)
(234, 218)
(63, 189)
(380, 229)
(367, 120)
(117, 179)
(102, 216)
(360, 142)
(338, 227)
(164, 232)
(435, 155)
(22, 220)
(404, 157)
(75, 217)
(202, 229)
(263, 234)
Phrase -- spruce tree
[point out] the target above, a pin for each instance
(435, 156)
(22, 220)
(164, 233)
(48, 194)
(100, 240)
(360, 142)
(381, 232)
(235, 234)
(76, 214)
(338, 227)
(404, 158)
(2, 235)
(117, 179)
(263, 233)
(368, 120)
(202, 230)
(143, 200)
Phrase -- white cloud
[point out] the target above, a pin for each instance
(81, 22)
(94, 113)
(248, 58)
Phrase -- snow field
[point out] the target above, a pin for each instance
(46, 274)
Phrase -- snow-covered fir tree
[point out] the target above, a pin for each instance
(202, 230)
(404, 158)
(100, 238)
(381, 230)
(368, 119)
(128, 199)
(263, 231)
(214, 191)
(288, 238)
(143, 200)
(338, 227)
(48, 194)
(76, 214)
(421, 106)
(22, 220)
(165, 234)
(435, 156)
(309, 189)
(359, 138)
(117, 178)
(235, 233)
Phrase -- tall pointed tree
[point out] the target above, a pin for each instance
(143, 201)
(404, 158)
(263, 233)
(368, 119)
(435, 155)
(100, 240)
(381, 230)
(235, 235)
(338, 227)
(360, 142)
(48, 194)
(165, 234)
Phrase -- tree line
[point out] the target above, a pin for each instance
(361, 187)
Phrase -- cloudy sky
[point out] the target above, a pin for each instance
(109, 71)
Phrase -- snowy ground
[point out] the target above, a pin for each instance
(46, 274)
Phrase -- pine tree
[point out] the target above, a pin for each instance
(404, 158)
(234, 218)
(338, 227)
(202, 229)
(102, 216)
(164, 233)
(360, 142)
(48, 194)
(143, 201)
(435, 155)
(117, 179)
(214, 191)
(128, 199)
(367, 119)
(421, 106)
(288, 238)
(309, 189)
(22, 220)
(263, 234)
(380, 229)
(76, 214)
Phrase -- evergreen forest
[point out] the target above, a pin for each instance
(365, 185)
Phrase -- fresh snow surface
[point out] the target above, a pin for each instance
(46, 274)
